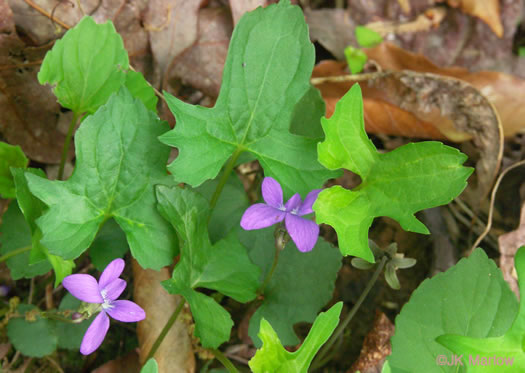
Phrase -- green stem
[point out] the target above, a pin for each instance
(225, 361)
(225, 175)
(166, 329)
(280, 243)
(342, 326)
(21, 250)
(65, 148)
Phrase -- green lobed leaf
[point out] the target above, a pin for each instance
(139, 88)
(33, 208)
(230, 206)
(356, 59)
(151, 366)
(490, 354)
(119, 160)
(470, 299)
(10, 156)
(15, 234)
(110, 243)
(367, 37)
(307, 114)
(397, 184)
(32, 338)
(272, 357)
(224, 267)
(255, 106)
(301, 284)
(87, 65)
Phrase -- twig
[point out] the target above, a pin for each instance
(47, 14)
(491, 208)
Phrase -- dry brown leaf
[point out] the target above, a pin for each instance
(128, 363)
(486, 10)
(417, 104)
(175, 354)
(376, 346)
(172, 27)
(332, 28)
(430, 19)
(503, 90)
(28, 110)
(509, 243)
(239, 7)
(201, 65)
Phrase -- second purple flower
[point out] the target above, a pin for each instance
(304, 232)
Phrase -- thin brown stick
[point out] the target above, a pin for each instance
(47, 14)
(491, 207)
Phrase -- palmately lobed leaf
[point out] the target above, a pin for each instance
(118, 162)
(224, 266)
(10, 156)
(255, 106)
(272, 357)
(397, 184)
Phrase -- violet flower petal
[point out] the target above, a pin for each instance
(83, 287)
(113, 290)
(126, 311)
(293, 203)
(272, 192)
(95, 334)
(306, 206)
(261, 216)
(112, 271)
(303, 232)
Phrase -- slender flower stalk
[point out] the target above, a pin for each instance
(104, 293)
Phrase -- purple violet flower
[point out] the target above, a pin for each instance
(104, 292)
(303, 232)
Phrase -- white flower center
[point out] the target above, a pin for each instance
(107, 302)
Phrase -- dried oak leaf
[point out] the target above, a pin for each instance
(332, 28)
(175, 354)
(239, 7)
(376, 346)
(201, 64)
(509, 243)
(425, 105)
(30, 112)
(172, 28)
(487, 10)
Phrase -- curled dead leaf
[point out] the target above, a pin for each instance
(509, 243)
(239, 7)
(376, 346)
(424, 105)
(175, 354)
(487, 10)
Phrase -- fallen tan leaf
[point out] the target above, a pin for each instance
(417, 104)
(509, 243)
(29, 111)
(172, 27)
(175, 354)
(487, 10)
(376, 346)
(128, 363)
(239, 7)
(201, 64)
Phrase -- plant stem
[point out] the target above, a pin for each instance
(226, 174)
(342, 326)
(166, 329)
(21, 250)
(65, 148)
(280, 243)
(225, 361)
